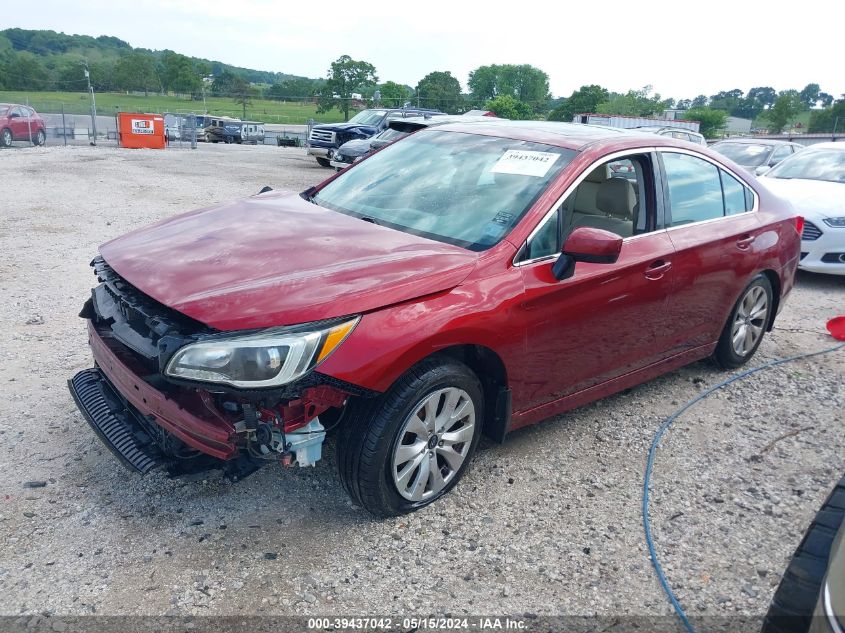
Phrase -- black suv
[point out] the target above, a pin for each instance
(324, 139)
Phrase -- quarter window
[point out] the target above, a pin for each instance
(736, 198)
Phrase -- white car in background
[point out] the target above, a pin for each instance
(813, 180)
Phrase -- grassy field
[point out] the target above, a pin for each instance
(107, 103)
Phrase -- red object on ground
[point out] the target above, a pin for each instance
(141, 130)
(836, 327)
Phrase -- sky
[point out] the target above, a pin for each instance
(682, 49)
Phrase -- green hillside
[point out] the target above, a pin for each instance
(265, 110)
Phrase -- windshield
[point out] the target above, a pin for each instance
(368, 117)
(745, 154)
(462, 189)
(818, 164)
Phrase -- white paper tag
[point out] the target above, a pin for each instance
(525, 163)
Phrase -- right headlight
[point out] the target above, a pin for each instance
(269, 358)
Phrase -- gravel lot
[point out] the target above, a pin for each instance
(548, 523)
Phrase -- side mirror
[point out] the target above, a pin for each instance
(586, 244)
(762, 169)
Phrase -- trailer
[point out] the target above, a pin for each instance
(627, 122)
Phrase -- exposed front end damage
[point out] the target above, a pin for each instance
(151, 420)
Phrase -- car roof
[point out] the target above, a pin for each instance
(568, 135)
(757, 141)
(828, 145)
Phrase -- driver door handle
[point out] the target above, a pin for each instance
(745, 241)
(657, 269)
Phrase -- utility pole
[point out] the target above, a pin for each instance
(93, 104)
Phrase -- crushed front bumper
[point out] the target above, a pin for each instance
(121, 373)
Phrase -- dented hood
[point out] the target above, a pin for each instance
(276, 259)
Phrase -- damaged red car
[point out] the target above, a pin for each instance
(472, 278)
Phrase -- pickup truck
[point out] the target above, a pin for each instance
(326, 138)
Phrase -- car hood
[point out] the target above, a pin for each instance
(811, 198)
(356, 147)
(276, 259)
(339, 127)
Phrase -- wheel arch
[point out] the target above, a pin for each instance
(491, 371)
(774, 280)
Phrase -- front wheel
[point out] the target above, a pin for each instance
(744, 330)
(324, 162)
(6, 137)
(411, 445)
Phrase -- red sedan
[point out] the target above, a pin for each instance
(471, 278)
(20, 123)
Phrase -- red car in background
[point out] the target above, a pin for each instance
(21, 123)
(473, 277)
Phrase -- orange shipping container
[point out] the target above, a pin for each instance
(141, 130)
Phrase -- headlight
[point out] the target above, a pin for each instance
(338, 156)
(837, 223)
(264, 359)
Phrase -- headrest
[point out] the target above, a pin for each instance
(599, 174)
(617, 198)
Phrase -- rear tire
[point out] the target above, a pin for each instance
(408, 447)
(40, 138)
(796, 597)
(746, 324)
(324, 162)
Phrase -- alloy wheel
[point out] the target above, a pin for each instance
(750, 320)
(433, 443)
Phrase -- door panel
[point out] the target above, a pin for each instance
(604, 321)
(713, 262)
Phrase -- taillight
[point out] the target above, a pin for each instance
(799, 224)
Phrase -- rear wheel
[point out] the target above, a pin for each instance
(324, 162)
(5, 137)
(746, 325)
(410, 446)
(40, 138)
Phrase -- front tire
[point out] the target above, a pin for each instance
(324, 162)
(405, 449)
(6, 137)
(746, 325)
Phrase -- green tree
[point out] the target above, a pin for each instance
(727, 100)
(224, 83)
(699, 102)
(136, 71)
(508, 107)
(710, 120)
(26, 72)
(394, 95)
(441, 91)
(345, 76)
(633, 103)
(179, 74)
(584, 100)
(829, 119)
(787, 105)
(810, 95)
(242, 92)
(293, 89)
(524, 82)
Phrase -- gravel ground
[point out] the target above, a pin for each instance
(548, 523)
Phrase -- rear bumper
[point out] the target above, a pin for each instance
(208, 435)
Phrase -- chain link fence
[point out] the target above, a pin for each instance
(72, 123)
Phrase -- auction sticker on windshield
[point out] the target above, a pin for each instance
(525, 163)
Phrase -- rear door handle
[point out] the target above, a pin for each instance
(657, 269)
(745, 241)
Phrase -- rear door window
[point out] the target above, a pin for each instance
(694, 188)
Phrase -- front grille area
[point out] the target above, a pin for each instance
(811, 231)
(136, 320)
(325, 136)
